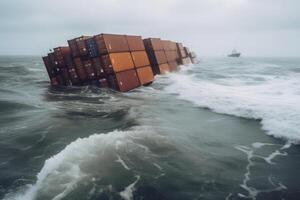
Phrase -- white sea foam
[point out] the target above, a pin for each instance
(127, 193)
(122, 162)
(62, 173)
(251, 154)
(275, 100)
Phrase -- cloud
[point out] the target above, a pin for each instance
(211, 27)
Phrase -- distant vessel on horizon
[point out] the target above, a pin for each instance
(234, 54)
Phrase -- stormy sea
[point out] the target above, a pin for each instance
(225, 128)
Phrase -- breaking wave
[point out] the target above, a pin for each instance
(88, 160)
(272, 99)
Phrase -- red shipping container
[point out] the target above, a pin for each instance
(140, 58)
(78, 46)
(145, 75)
(124, 81)
(80, 69)
(110, 43)
(164, 68)
(117, 62)
(135, 43)
(89, 68)
(98, 66)
(153, 43)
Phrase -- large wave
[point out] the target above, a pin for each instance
(91, 159)
(273, 100)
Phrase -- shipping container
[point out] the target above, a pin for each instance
(103, 83)
(187, 51)
(179, 46)
(78, 46)
(80, 69)
(89, 69)
(153, 43)
(173, 66)
(117, 62)
(92, 47)
(124, 81)
(164, 68)
(58, 71)
(185, 61)
(156, 57)
(173, 46)
(54, 81)
(140, 58)
(60, 53)
(171, 55)
(73, 76)
(111, 43)
(145, 75)
(49, 66)
(166, 45)
(98, 66)
(135, 43)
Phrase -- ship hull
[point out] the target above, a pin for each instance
(234, 55)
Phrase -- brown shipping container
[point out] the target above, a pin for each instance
(54, 81)
(127, 80)
(49, 66)
(80, 69)
(173, 66)
(140, 58)
(109, 43)
(135, 43)
(145, 75)
(185, 61)
(98, 66)
(103, 82)
(60, 54)
(78, 46)
(173, 46)
(153, 43)
(73, 76)
(164, 68)
(89, 68)
(179, 46)
(171, 55)
(166, 45)
(187, 51)
(160, 57)
(117, 62)
(124, 81)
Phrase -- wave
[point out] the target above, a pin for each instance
(274, 101)
(88, 160)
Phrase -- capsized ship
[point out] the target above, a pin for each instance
(234, 54)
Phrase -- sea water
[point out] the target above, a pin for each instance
(225, 128)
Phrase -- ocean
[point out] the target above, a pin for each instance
(225, 128)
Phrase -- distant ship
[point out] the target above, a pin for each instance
(234, 54)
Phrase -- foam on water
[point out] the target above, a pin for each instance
(62, 173)
(275, 100)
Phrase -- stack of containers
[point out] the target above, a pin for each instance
(117, 62)
(171, 53)
(140, 59)
(158, 60)
(183, 55)
(82, 61)
(187, 59)
(95, 60)
(121, 62)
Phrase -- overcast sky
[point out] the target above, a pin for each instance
(210, 27)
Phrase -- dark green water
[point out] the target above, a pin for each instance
(159, 142)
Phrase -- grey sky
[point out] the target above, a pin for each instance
(210, 27)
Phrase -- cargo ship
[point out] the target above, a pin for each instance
(234, 54)
(118, 62)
